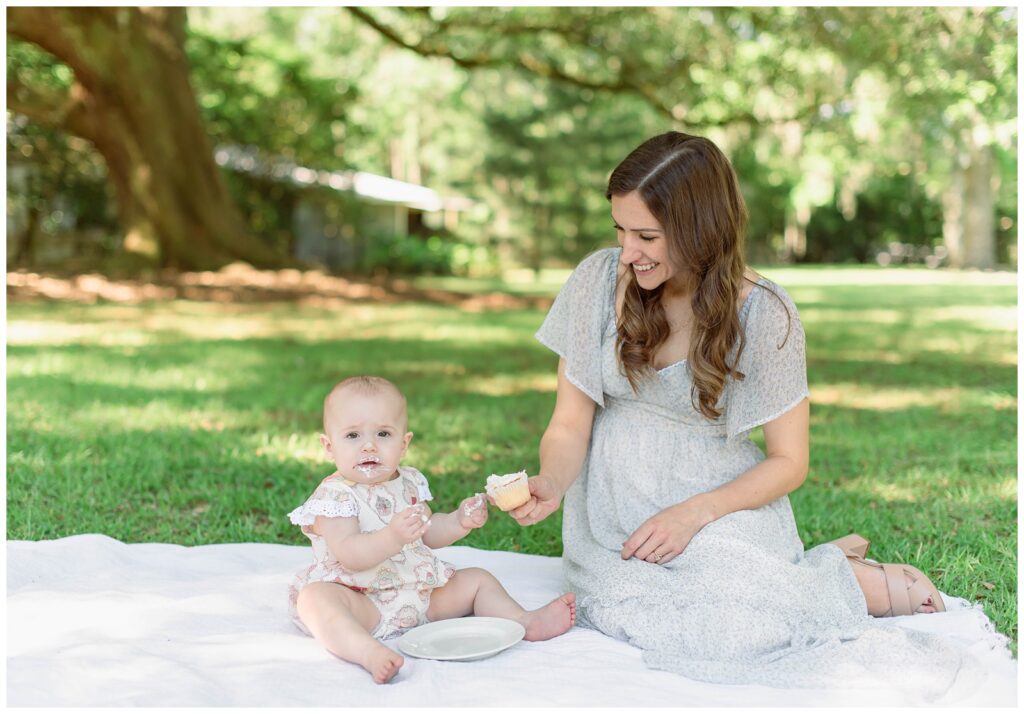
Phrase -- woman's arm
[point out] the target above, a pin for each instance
(786, 440)
(667, 533)
(562, 451)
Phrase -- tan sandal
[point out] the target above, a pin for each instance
(906, 599)
(853, 545)
(903, 599)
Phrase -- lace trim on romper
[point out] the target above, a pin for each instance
(305, 515)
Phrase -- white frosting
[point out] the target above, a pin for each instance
(494, 481)
(478, 501)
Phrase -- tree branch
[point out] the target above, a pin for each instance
(36, 25)
(422, 48)
(66, 110)
(42, 26)
(625, 82)
(523, 59)
(45, 107)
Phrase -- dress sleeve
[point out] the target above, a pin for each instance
(576, 322)
(420, 481)
(331, 500)
(773, 360)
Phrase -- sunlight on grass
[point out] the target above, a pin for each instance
(987, 317)
(879, 316)
(159, 415)
(515, 282)
(137, 326)
(996, 319)
(302, 446)
(875, 398)
(196, 422)
(509, 385)
(890, 492)
(922, 484)
(834, 275)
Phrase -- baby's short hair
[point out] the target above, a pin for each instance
(364, 384)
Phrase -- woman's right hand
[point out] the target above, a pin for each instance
(545, 498)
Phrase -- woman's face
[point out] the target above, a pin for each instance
(643, 240)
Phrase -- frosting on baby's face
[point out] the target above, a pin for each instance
(366, 435)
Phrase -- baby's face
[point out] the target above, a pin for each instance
(366, 435)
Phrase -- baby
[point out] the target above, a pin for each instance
(374, 574)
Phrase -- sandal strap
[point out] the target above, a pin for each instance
(922, 589)
(853, 545)
(899, 598)
(918, 594)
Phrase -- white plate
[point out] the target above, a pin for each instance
(461, 639)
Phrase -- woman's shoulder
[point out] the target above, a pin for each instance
(596, 264)
(768, 298)
(590, 284)
(769, 313)
(593, 280)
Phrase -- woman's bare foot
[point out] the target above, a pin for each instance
(876, 593)
(383, 663)
(551, 620)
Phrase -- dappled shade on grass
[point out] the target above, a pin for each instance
(196, 422)
(240, 282)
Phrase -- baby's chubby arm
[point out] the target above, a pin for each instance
(361, 551)
(446, 528)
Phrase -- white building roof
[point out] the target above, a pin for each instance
(369, 186)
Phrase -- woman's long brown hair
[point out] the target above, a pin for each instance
(690, 187)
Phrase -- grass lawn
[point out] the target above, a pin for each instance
(196, 422)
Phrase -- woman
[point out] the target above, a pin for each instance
(678, 533)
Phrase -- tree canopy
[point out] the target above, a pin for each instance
(851, 128)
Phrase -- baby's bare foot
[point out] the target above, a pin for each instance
(383, 663)
(551, 620)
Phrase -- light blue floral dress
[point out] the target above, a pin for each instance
(744, 603)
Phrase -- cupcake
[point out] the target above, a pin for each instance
(508, 491)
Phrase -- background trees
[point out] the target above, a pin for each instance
(128, 93)
(851, 128)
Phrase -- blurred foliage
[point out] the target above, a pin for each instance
(411, 255)
(259, 90)
(52, 178)
(889, 209)
(844, 120)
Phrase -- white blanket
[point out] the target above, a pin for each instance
(95, 622)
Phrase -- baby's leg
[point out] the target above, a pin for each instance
(477, 592)
(342, 620)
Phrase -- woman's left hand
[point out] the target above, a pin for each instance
(666, 534)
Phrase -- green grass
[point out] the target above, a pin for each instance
(194, 423)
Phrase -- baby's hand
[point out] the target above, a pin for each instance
(410, 524)
(473, 512)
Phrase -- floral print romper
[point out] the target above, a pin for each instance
(400, 586)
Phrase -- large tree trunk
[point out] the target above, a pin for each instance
(968, 206)
(980, 208)
(953, 212)
(794, 236)
(25, 253)
(132, 99)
